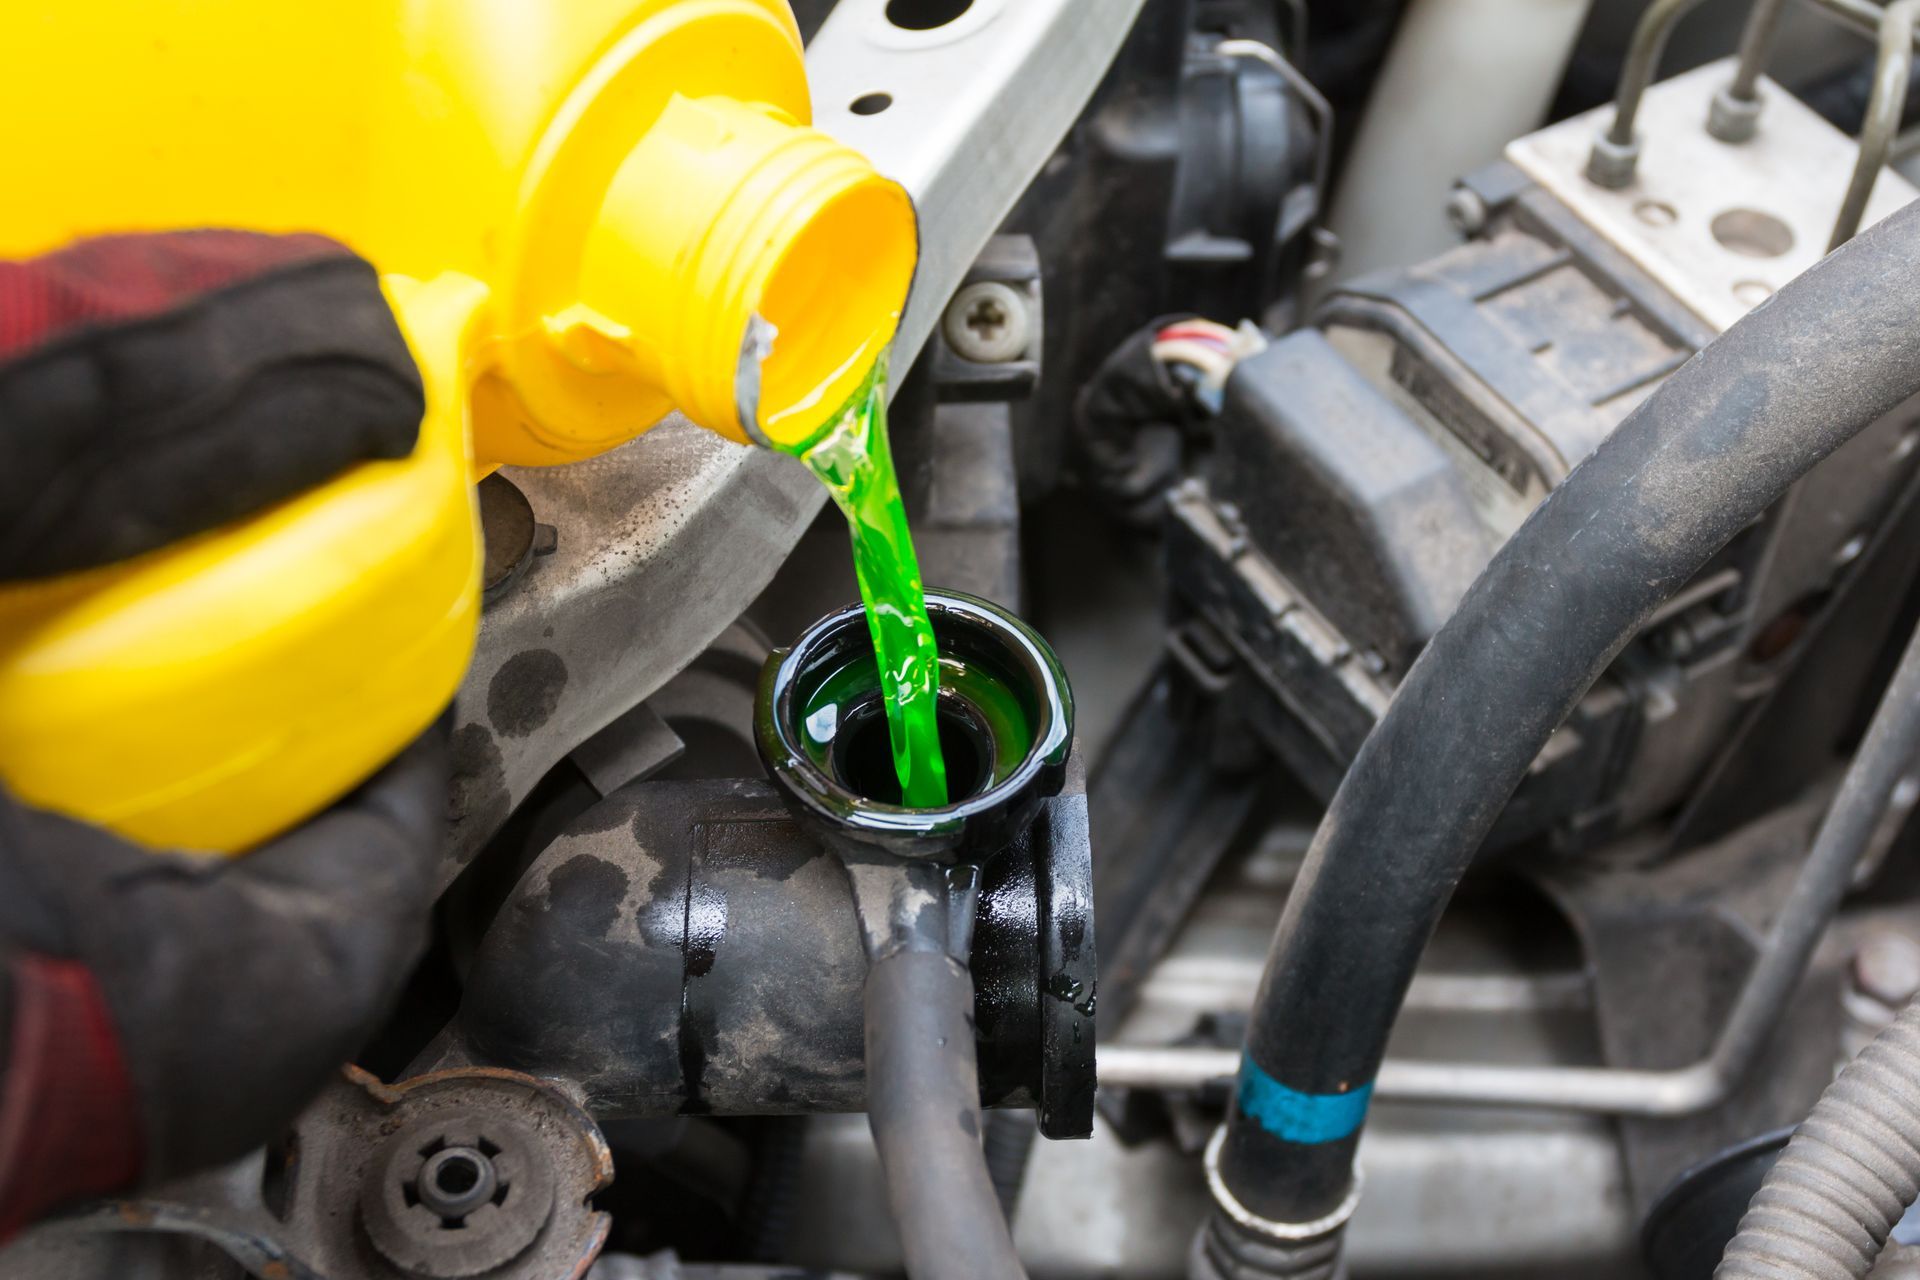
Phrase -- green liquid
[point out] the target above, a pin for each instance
(1003, 727)
(851, 457)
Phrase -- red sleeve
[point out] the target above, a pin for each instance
(69, 1125)
(115, 279)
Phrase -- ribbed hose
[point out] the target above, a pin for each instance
(767, 1211)
(1847, 1176)
(1220, 1252)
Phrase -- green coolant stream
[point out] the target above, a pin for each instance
(851, 457)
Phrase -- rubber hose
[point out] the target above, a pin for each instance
(1713, 448)
(1009, 1147)
(1846, 1177)
(774, 1192)
(923, 1103)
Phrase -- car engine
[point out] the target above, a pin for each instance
(1465, 457)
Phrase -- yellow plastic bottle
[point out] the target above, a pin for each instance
(580, 209)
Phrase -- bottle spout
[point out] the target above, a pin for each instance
(742, 267)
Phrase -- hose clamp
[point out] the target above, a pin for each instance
(1285, 1232)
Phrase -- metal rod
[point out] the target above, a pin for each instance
(1862, 15)
(1643, 59)
(1317, 107)
(1601, 1090)
(1756, 44)
(1892, 69)
(1616, 152)
(1886, 756)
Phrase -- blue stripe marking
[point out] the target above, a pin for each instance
(1293, 1116)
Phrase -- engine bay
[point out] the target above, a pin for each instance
(1429, 486)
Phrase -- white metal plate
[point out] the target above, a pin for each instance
(1795, 169)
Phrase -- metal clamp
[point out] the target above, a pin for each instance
(1283, 1232)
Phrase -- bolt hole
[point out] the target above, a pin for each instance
(1753, 233)
(870, 104)
(457, 1176)
(1752, 292)
(1655, 213)
(925, 15)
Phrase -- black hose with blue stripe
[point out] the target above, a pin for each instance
(1722, 440)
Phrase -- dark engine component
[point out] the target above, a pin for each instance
(447, 1175)
(1703, 459)
(1193, 183)
(1416, 426)
(687, 948)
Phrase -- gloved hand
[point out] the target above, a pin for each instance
(163, 1012)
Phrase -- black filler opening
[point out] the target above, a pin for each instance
(862, 757)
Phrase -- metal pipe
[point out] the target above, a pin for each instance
(1615, 151)
(1588, 1090)
(1643, 59)
(1846, 833)
(1893, 68)
(1756, 44)
(1735, 112)
(1862, 15)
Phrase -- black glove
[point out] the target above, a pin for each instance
(162, 1012)
(153, 387)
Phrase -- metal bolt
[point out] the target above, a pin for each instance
(1887, 968)
(1883, 977)
(1611, 164)
(1732, 119)
(988, 323)
(1323, 253)
(1467, 211)
(455, 1181)
(1898, 1262)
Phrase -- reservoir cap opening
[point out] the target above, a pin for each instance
(1006, 727)
(861, 757)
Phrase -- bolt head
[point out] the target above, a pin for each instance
(1886, 967)
(988, 322)
(1467, 211)
(455, 1181)
(1612, 164)
(1732, 119)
